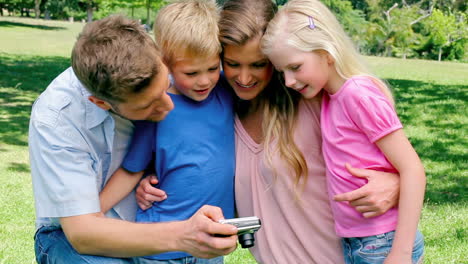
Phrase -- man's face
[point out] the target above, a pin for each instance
(152, 104)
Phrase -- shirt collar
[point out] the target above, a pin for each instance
(94, 114)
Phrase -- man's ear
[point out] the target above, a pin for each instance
(99, 102)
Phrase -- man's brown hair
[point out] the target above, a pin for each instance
(114, 57)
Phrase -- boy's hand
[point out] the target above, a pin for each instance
(376, 197)
(147, 194)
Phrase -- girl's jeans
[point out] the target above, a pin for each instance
(374, 249)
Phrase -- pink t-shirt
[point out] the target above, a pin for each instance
(291, 232)
(352, 120)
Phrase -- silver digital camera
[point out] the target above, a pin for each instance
(246, 227)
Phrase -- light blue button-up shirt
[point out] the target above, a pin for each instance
(74, 148)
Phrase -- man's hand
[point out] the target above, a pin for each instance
(147, 194)
(199, 238)
(377, 196)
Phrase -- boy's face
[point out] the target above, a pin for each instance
(195, 77)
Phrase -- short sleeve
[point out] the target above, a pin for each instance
(376, 117)
(63, 171)
(140, 151)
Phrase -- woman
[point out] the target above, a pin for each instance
(280, 172)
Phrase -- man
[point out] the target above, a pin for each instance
(78, 136)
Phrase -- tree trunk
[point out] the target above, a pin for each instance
(440, 54)
(148, 7)
(89, 10)
(37, 9)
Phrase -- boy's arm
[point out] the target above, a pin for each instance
(401, 154)
(118, 187)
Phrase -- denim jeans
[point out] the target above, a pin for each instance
(374, 249)
(52, 247)
(186, 260)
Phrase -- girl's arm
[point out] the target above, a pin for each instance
(401, 154)
(119, 185)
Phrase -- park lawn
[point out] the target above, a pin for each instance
(431, 101)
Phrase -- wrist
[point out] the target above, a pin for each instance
(177, 231)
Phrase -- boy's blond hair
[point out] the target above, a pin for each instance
(114, 57)
(188, 28)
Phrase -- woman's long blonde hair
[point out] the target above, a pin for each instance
(242, 21)
(309, 25)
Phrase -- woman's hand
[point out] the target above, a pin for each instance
(377, 196)
(147, 194)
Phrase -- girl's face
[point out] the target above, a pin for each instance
(247, 69)
(306, 72)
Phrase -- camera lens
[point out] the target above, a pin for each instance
(247, 240)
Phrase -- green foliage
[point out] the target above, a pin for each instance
(352, 20)
(447, 34)
(407, 29)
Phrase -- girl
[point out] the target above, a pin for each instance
(359, 128)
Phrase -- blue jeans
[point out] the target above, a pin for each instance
(374, 249)
(52, 247)
(186, 260)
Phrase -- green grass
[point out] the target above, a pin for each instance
(431, 101)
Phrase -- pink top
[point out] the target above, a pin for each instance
(291, 232)
(352, 120)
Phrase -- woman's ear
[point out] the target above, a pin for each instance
(99, 102)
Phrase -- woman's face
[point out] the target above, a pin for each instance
(247, 70)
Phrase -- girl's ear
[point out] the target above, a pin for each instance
(330, 59)
(99, 102)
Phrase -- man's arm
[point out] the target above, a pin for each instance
(95, 234)
(376, 197)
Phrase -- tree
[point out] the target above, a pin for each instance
(446, 29)
(351, 19)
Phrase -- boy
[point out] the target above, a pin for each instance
(194, 145)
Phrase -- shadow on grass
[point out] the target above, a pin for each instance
(441, 111)
(23, 78)
(19, 167)
(18, 24)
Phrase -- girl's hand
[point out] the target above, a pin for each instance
(376, 197)
(147, 194)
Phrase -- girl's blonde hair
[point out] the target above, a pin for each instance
(242, 21)
(188, 28)
(308, 25)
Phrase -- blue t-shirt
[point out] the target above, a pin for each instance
(194, 158)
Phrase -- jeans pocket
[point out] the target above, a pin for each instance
(375, 250)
